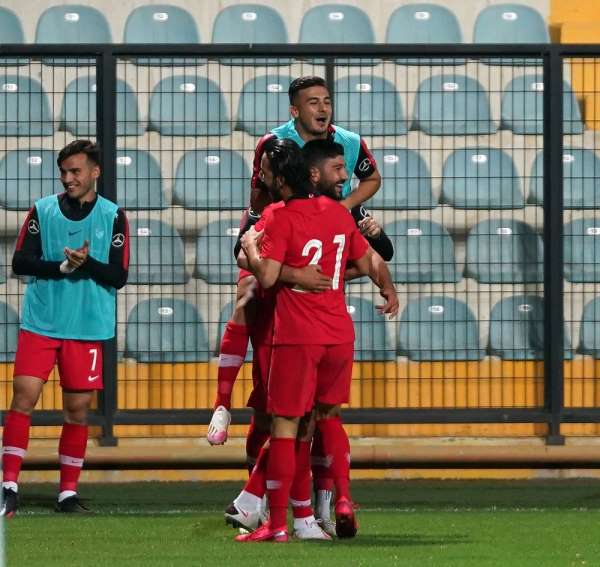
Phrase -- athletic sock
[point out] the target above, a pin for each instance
(281, 467)
(337, 448)
(234, 346)
(300, 491)
(256, 484)
(255, 440)
(321, 466)
(15, 440)
(71, 453)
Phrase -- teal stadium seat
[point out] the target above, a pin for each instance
(3, 267)
(523, 107)
(581, 250)
(581, 179)
(156, 254)
(517, 329)
(504, 251)
(11, 31)
(406, 181)
(368, 105)
(372, 340)
(139, 182)
(26, 176)
(212, 179)
(424, 23)
(264, 104)
(215, 263)
(224, 316)
(438, 328)
(250, 23)
(481, 178)
(589, 332)
(423, 252)
(166, 330)
(24, 107)
(452, 105)
(78, 112)
(9, 331)
(161, 23)
(511, 24)
(188, 105)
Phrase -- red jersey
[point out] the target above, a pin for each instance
(313, 231)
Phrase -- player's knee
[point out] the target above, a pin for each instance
(76, 416)
(22, 404)
(262, 421)
(326, 411)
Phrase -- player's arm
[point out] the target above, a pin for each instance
(373, 232)
(368, 176)
(266, 270)
(259, 195)
(249, 219)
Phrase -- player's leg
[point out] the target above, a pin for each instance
(323, 484)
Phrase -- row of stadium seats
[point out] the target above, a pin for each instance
(430, 328)
(218, 179)
(252, 23)
(189, 105)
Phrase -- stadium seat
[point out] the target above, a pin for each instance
(589, 332)
(78, 112)
(510, 24)
(523, 107)
(264, 104)
(453, 105)
(438, 328)
(504, 251)
(24, 107)
(368, 105)
(581, 179)
(139, 182)
(9, 330)
(215, 263)
(424, 23)
(481, 178)
(156, 254)
(517, 329)
(188, 105)
(224, 316)
(372, 341)
(11, 31)
(250, 23)
(166, 330)
(423, 252)
(212, 179)
(581, 250)
(3, 267)
(406, 181)
(26, 176)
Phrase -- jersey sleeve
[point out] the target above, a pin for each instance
(258, 153)
(365, 164)
(275, 239)
(358, 245)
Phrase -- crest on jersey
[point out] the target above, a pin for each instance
(118, 240)
(33, 227)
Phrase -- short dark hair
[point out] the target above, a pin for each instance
(316, 151)
(87, 147)
(287, 161)
(302, 83)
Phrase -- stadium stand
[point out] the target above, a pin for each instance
(139, 181)
(589, 333)
(214, 253)
(336, 23)
(372, 340)
(24, 107)
(582, 250)
(11, 31)
(9, 329)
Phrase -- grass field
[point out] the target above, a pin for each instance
(406, 523)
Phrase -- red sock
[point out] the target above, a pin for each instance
(321, 466)
(255, 441)
(257, 482)
(15, 440)
(281, 467)
(337, 448)
(71, 452)
(234, 346)
(300, 489)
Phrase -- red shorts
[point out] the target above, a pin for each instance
(301, 375)
(79, 362)
(261, 362)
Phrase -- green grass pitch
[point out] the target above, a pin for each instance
(404, 523)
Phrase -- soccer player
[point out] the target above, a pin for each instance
(75, 248)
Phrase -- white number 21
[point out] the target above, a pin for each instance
(317, 245)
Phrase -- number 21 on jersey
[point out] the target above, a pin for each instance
(314, 244)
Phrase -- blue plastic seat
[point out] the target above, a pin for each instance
(581, 179)
(188, 105)
(481, 178)
(156, 254)
(139, 182)
(523, 107)
(589, 332)
(24, 107)
(9, 331)
(372, 340)
(504, 251)
(26, 176)
(3, 267)
(224, 316)
(423, 252)
(264, 104)
(452, 105)
(369, 105)
(581, 250)
(212, 179)
(214, 252)
(406, 181)
(166, 330)
(438, 328)
(11, 31)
